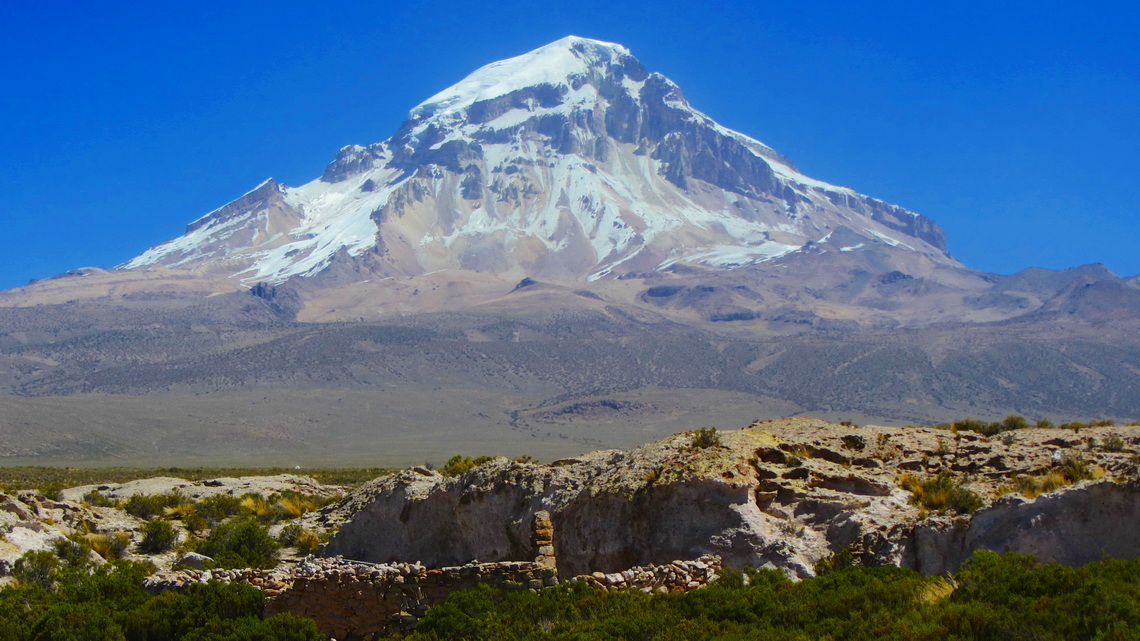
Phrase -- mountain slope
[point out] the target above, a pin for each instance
(569, 163)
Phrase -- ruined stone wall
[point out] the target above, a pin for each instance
(354, 600)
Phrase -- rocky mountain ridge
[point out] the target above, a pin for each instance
(570, 162)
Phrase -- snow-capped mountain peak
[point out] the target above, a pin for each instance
(570, 162)
(554, 64)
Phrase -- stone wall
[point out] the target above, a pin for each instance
(353, 600)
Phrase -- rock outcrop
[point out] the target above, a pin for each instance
(782, 494)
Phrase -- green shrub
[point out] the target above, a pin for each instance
(1008, 424)
(110, 604)
(705, 438)
(460, 464)
(835, 561)
(1113, 443)
(219, 507)
(289, 534)
(52, 491)
(95, 498)
(72, 552)
(158, 537)
(241, 543)
(993, 597)
(36, 568)
(149, 506)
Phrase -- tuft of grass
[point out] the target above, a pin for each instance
(941, 493)
(936, 589)
(257, 505)
(295, 504)
(1071, 470)
(308, 542)
(1033, 485)
(181, 511)
(109, 546)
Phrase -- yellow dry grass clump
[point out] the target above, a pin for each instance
(295, 506)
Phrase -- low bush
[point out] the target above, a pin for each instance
(992, 597)
(705, 438)
(95, 498)
(940, 493)
(460, 464)
(241, 543)
(1008, 424)
(1113, 443)
(110, 604)
(72, 551)
(36, 569)
(158, 537)
(149, 506)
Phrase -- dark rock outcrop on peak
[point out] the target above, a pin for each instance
(258, 199)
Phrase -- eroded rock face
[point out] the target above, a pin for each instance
(1072, 527)
(781, 494)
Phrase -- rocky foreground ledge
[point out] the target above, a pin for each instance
(795, 495)
(784, 494)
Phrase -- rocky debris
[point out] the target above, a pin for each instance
(194, 561)
(30, 522)
(782, 494)
(678, 576)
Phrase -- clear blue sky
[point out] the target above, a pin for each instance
(1014, 125)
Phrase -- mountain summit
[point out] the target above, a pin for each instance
(568, 163)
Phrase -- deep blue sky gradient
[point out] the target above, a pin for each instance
(1015, 125)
